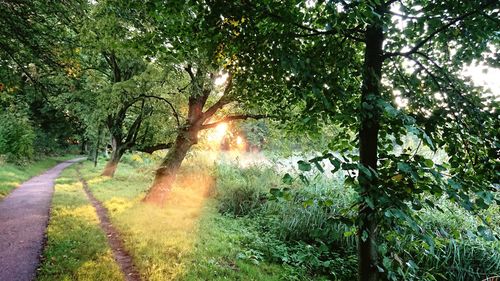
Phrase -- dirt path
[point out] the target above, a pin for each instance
(24, 215)
(121, 255)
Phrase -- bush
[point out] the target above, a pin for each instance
(16, 137)
(313, 212)
(458, 251)
(316, 259)
(242, 191)
(299, 231)
(310, 227)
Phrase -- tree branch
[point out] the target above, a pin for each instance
(134, 128)
(96, 69)
(153, 148)
(437, 31)
(233, 118)
(222, 101)
(176, 115)
(189, 70)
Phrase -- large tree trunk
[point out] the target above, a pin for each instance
(116, 155)
(167, 172)
(368, 142)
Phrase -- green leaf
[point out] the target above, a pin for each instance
(365, 171)
(276, 192)
(304, 166)
(328, 203)
(287, 179)
(428, 141)
(364, 235)
(318, 166)
(369, 202)
(405, 168)
(308, 203)
(336, 164)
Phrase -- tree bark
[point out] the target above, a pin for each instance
(98, 143)
(368, 143)
(116, 155)
(83, 146)
(167, 172)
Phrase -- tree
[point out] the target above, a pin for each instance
(200, 115)
(35, 42)
(116, 79)
(347, 63)
(189, 51)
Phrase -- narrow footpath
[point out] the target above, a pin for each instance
(122, 257)
(24, 216)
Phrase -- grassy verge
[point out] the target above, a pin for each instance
(188, 239)
(222, 223)
(76, 247)
(11, 175)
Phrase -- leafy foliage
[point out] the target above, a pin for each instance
(16, 137)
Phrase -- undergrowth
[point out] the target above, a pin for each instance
(310, 226)
(186, 240)
(227, 222)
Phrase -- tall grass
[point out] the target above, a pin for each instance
(186, 240)
(303, 231)
(242, 191)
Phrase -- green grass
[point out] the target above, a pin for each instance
(12, 175)
(186, 240)
(76, 247)
(200, 235)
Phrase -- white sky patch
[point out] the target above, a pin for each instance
(340, 7)
(400, 101)
(221, 79)
(485, 76)
(310, 3)
(438, 96)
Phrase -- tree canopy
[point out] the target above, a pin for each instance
(379, 72)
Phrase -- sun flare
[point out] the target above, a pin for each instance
(218, 133)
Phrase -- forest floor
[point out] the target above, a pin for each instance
(24, 215)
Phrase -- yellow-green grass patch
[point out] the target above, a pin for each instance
(76, 247)
(11, 175)
(186, 240)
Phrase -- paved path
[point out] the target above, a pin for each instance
(24, 215)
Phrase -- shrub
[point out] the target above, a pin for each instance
(310, 227)
(241, 191)
(457, 252)
(16, 137)
(315, 212)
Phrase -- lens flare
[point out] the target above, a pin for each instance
(239, 141)
(218, 133)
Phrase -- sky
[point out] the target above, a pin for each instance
(485, 76)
